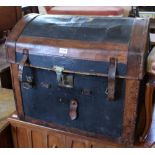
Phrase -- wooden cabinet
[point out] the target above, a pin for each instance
(20, 134)
(55, 140)
(35, 136)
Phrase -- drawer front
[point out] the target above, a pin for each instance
(51, 103)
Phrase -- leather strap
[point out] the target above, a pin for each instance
(22, 63)
(111, 79)
(149, 109)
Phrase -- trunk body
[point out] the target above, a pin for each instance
(81, 74)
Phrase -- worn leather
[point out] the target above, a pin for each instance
(23, 61)
(75, 65)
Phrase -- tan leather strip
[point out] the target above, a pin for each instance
(75, 43)
(130, 111)
(82, 73)
(137, 48)
(50, 47)
(17, 91)
(134, 63)
(14, 35)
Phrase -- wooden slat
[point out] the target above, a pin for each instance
(45, 140)
(22, 137)
(59, 138)
(37, 139)
(85, 51)
(14, 136)
(56, 140)
(29, 136)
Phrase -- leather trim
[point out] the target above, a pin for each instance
(14, 35)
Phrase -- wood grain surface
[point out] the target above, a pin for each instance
(31, 135)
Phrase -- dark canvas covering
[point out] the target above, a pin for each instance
(96, 29)
(96, 114)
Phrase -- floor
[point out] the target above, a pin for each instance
(7, 104)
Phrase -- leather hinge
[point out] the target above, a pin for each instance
(111, 78)
(23, 61)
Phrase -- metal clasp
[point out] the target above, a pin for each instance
(59, 71)
(64, 80)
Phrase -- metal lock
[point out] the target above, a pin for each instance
(63, 79)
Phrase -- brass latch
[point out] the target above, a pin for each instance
(63, 79)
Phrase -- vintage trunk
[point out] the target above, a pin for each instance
(81, 74)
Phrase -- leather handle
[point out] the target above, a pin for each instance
(73, 109)
(149, 109)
